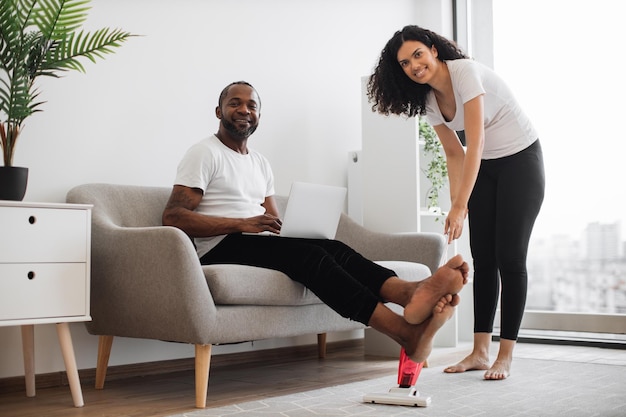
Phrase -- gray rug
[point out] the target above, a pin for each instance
(537, 388)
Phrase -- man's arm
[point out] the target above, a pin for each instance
(179, 212)
(270, 206)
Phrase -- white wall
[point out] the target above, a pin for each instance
(132, 116)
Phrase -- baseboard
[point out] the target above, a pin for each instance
(88, 376)
(554, 337)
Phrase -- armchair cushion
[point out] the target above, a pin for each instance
(249, 285)
(409, 271)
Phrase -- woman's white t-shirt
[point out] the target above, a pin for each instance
(507, 128)
(234, 185)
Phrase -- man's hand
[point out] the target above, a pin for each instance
(263, 223)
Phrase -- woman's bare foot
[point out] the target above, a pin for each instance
(447, 280)
(473, 362)
(500, 369)
(421, 346)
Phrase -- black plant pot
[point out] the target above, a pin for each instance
(13, 181)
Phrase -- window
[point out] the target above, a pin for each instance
(563, 61)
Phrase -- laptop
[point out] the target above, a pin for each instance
(313, 211)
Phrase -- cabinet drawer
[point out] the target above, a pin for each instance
(43, 235)
(43, 290)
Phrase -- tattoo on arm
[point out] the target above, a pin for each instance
(181, 199)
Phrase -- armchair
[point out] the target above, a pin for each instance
(147, 281)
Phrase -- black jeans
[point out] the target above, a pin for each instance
(503, 207)
(343, 279)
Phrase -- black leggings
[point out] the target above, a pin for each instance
(343, 279)
(503, 207)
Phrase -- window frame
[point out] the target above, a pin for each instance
(473, 30)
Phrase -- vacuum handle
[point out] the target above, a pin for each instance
(408, 371)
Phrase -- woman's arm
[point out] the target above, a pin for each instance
(475, 142)
(462, 166)
(455, 156)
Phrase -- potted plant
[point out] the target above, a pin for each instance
(437, 169)
(39, 38)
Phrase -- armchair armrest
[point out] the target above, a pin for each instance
(147, 282)
(425, 248)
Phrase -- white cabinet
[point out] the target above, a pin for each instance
(390, 163)
(393, 186)
(44, 276)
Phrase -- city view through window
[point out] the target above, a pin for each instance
(562, 60)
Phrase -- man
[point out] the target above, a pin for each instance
(223, 189)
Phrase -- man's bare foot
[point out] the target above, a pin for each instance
(499, 370)
(419, 349)
(453, 300)
(473, 362)
(447, 280)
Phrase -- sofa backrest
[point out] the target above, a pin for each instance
(142, 206)
(122, 205)
(129, 205)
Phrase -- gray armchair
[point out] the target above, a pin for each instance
(147, 282)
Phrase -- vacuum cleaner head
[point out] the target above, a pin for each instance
(405, 393)
(399, 396)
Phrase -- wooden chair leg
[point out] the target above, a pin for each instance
(203, 363)
(28, 347)
(104, 351)
(321, 345)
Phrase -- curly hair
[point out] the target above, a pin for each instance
(389, 88)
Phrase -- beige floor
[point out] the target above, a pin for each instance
(234, 381)
(546, 381)
(445, 356)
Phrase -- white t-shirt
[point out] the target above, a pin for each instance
(507, 128)
(234, 185)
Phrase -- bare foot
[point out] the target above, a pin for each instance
(499, 370)
(422, 345)
(473, 362)
(447, 280)
(453, 300)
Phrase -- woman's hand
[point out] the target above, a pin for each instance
(454, 223)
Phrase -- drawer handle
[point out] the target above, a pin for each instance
(32, 219)
(31, 274)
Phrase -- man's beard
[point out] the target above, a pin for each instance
(236, 132)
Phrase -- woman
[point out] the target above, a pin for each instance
(498, 179)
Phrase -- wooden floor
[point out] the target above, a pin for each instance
(233, 379)
(245, 377)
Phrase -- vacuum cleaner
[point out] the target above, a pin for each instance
(405, 393)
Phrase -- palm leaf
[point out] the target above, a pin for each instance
(15, 17)
(63, 54)
(12, 23)
(16, 97)
(56, 18)
(40, 38)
